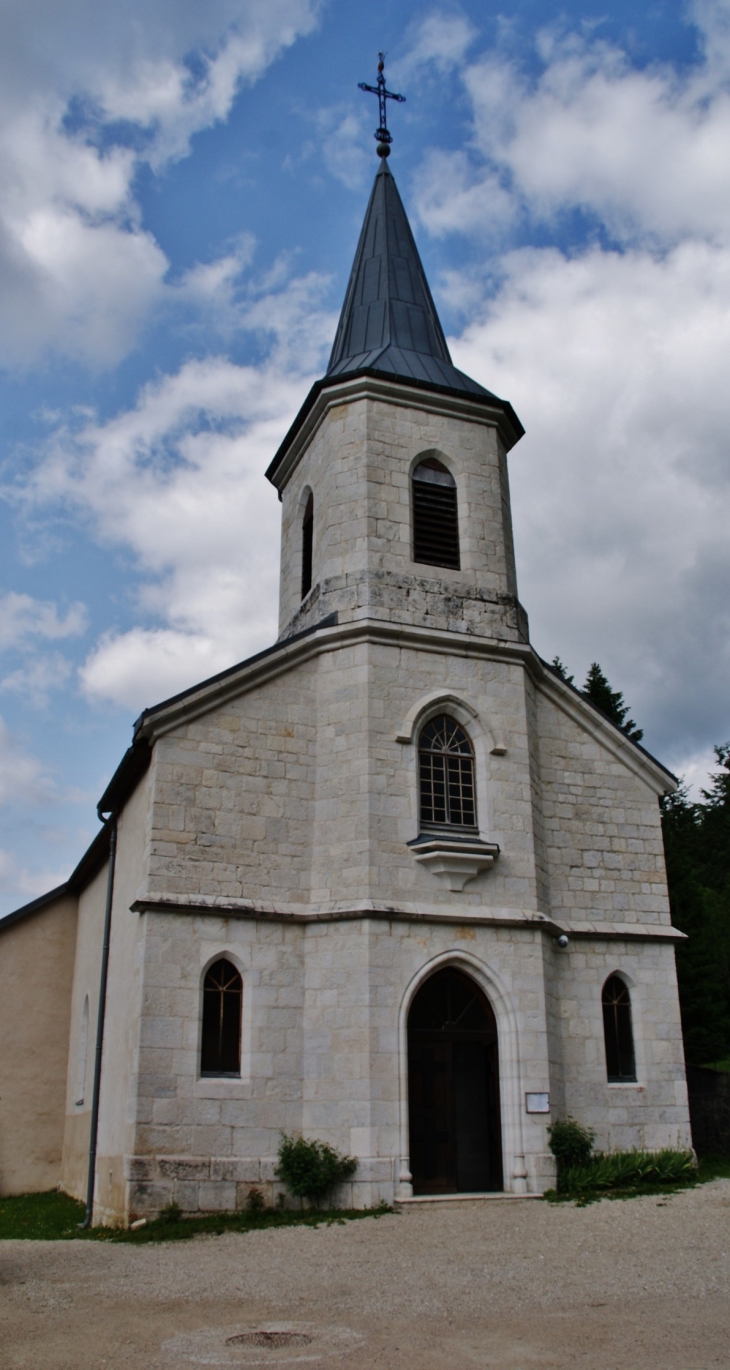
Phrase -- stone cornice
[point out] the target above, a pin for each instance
(471, 408)
(284, 656)
(226, 907)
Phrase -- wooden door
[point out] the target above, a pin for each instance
(455, 1143)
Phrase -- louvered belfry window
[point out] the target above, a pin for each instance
(435, 515)
(222, 999)
(618, 1031)
(307, 540)
(446, 774)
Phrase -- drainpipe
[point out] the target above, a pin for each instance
(111, 820)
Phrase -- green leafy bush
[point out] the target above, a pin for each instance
(627, 1170)
(310, 1168)
(255, 1203)
(570, 1143)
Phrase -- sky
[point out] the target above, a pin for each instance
(181, 192)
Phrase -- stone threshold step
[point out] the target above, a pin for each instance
(460, 1198)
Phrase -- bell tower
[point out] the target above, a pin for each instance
(393, 477)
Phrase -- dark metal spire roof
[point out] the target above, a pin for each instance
(389, 322)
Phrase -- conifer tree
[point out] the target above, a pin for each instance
(697, 848)
(610, 702)
(561, 670)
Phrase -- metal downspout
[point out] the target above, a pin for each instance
(93, 1135)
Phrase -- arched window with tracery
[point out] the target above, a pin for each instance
(446, 776)
(618, 1031)
(435, 515)
(221, 1039)
(307, 544)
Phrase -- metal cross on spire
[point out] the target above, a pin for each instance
(383, 134)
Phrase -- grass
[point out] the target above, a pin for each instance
(40, 1217)
(713, 1168)
(55, 1217)
(722, 1066)
(629, 1174)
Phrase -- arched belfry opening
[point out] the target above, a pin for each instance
(453, 1087)
(435, 515)
(307, 544)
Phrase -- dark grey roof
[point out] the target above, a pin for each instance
(389, 322)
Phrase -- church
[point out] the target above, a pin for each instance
(391, 883)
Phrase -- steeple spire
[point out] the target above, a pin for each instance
(389, 322)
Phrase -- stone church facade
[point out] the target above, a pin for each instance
(391, 883)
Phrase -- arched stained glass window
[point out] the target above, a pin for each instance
(221, 1041)
(435, 515)
(307, 543)
(446, 774)
(618, 1031)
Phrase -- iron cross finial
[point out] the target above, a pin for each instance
(383, 135)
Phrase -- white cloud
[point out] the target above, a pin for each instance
(214, 288)
(22, 882)
(642, 150)
(440, 41)
(453, 193)
(78, 272)
(344, 141)
(21, 775)
(696, 771)
(37, 677)
(144, 666)
(23, 618)
(179, 481)
(615, 360)
(616, 364)
(26, 623)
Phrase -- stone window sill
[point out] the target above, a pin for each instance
(454, 860)
(218, 1087)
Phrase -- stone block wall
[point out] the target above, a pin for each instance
(325, 1013)
(653, 1112)
(234, 793)
(298, 796)
(358, 467)
(602, 827)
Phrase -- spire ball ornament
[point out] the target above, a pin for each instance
(382, 135)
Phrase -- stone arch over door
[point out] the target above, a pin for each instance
(514, 1174)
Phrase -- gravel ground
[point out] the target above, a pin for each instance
(515, 1285)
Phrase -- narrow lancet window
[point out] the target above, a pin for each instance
(82, 1054)
(221, 1040)
(618, 1031)
(446, 774)
(435, 515)
(307, 535)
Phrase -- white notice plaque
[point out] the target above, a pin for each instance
(537, 1103)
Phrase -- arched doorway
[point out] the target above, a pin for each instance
(453, 1088)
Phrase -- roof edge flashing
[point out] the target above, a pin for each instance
(286, 458)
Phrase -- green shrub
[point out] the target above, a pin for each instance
(171, 1213)
(310, 1168)
(627, 1170)
(570, 1143)
(255, 1203)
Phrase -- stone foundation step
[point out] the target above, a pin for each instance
(460, 1198)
